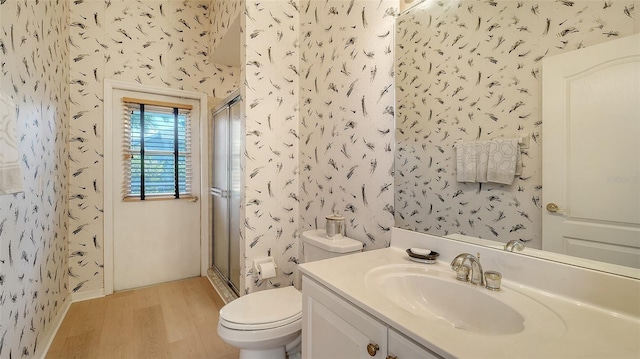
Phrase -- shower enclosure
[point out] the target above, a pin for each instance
(225, 190)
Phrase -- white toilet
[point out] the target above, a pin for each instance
(268, 323)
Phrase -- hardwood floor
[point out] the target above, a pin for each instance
(170, 320)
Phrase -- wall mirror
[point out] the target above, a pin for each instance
(469, 70)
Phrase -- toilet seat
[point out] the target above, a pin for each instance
(262, 326)
(262, 310)
(261, 339)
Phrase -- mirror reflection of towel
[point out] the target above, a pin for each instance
(503, 160)
(471, 161)
(482, 160)
(10, 171)
(466, 162)
(497, 161)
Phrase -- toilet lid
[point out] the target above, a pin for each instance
(272, 307)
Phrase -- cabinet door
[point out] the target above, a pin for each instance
(401, 347)
(334, 328)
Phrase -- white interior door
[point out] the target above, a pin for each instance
(591, 152)
(155, 240)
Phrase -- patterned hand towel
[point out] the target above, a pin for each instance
(465, 162)
(482, 160)
(503, 160)
(10, 170)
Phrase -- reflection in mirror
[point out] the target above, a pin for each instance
(591, 167)
(468, 71)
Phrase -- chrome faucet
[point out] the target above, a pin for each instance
(476, 274)
(514, 244)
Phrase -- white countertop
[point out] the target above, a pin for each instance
(588, 331)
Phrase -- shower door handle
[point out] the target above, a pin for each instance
(219, 193)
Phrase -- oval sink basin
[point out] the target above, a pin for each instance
(433, 292)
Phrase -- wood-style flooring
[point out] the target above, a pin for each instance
(170, 320)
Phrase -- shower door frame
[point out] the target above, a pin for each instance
(231, 192)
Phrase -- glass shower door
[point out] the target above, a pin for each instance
(235, 137)
(220, 192)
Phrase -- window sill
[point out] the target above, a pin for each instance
(186, 197)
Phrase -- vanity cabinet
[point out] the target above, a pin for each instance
(400, 347)
(332, 328)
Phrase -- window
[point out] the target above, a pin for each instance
(156, 149)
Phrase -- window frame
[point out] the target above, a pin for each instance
(128, 153)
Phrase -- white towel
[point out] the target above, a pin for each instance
(482, 160)
(503, 160)
(10, 170)
(465, 162)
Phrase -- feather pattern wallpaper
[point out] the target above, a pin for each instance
(471, 70)
(222, 15)
(270, 165)
(34, 75)
(156, 43)
(318, 85)
(347, 116)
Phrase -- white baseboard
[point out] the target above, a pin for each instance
(86, 295)
(42, 351)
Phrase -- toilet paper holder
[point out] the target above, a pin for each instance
(259, 261)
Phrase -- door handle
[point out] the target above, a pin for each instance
(553, 208)
(219, 193)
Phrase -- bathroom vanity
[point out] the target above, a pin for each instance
(380, 304)
(335, 328)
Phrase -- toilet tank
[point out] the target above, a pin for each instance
(316, 246)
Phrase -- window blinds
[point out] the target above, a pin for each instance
(156, 149)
